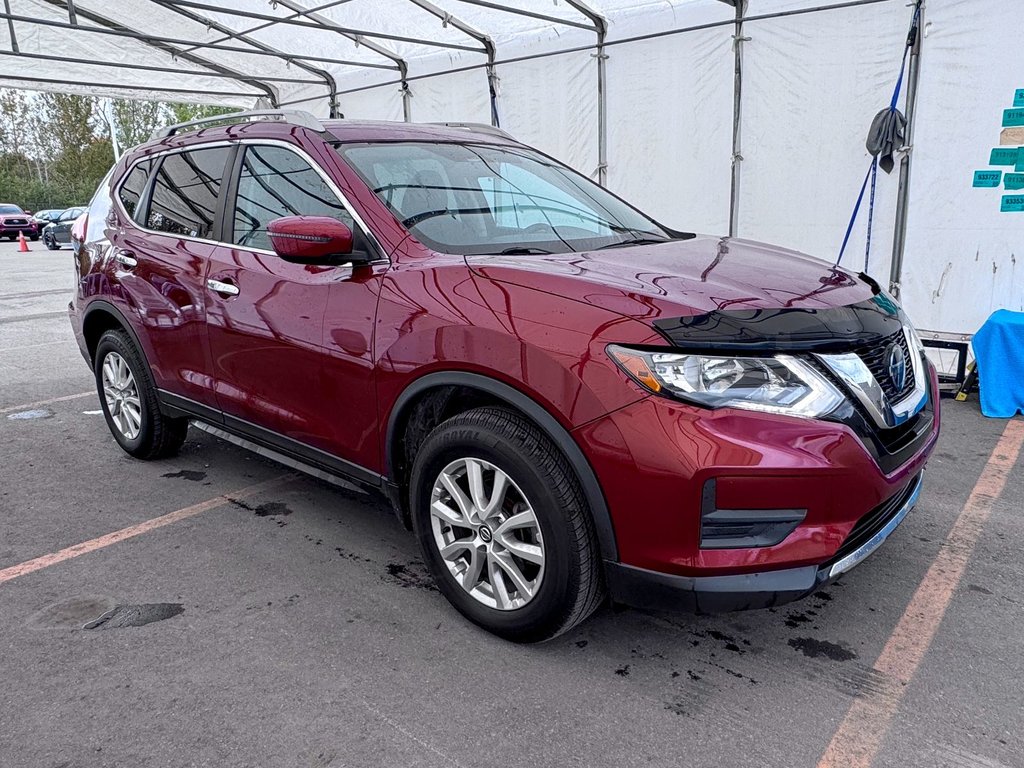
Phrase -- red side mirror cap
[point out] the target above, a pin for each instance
(310, 239)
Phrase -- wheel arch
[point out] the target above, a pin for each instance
(102, 316)
(492, 391)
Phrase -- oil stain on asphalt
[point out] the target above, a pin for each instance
(187, 474)
(814, 649)
(124, 616)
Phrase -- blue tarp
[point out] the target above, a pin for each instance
(999, 350)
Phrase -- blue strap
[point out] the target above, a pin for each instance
(871, 215)
(872, 173)
(853, 219)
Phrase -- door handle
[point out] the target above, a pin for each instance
(222, 287)
(126, 259)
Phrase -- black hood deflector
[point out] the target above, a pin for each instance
(830, 329)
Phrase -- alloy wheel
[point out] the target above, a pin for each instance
(122, 396)
(487, 533)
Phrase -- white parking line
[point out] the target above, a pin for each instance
(33, 346)
(29, 406)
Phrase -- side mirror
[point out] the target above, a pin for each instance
(312, 240)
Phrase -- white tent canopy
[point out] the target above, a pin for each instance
(747, 120)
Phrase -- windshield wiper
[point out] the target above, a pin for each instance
(520, 250)
(635, 241)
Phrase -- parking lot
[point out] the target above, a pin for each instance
(291, 623)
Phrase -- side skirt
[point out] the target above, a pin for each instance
(284, 450)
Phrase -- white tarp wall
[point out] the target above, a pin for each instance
(814, 73)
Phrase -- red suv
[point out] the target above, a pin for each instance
(563, 398)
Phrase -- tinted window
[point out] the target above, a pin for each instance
(276, 182)
(184, 198)
(132, 188)
(10, 209)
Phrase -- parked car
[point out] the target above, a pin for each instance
(47, 216)
(59, 232)
(563, 398)
(14, 220)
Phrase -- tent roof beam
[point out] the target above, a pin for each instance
(530, 14)
(327, 77)
(147, 38)
(264, 25)
(323, 22)
(20, 79)
(302, 23)
(155, 68)
(169, 49)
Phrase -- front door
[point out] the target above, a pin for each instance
(266, 316)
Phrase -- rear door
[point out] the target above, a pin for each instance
(160, 256)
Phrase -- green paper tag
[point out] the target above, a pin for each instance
(987, 178)
(1003, 156)
(1012, 204)
(1014, 181)
(1018, 98)
(1013, 117)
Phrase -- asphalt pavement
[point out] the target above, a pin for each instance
(278, 621)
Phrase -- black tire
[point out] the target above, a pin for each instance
(572, 586)
(12, 238)
(158, 436)
(50, 244)
(33, 238)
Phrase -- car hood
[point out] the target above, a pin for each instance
(683, 278)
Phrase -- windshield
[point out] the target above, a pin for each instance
(477, 198)
(10, 209)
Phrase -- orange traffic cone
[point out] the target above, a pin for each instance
(22, 243)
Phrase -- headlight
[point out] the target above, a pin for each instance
(779, 384)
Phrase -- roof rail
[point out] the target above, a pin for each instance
(296, 117)
(493, 130)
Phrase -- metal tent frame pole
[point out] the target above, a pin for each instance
(600, 28)
(489, 48)
(738, 39)
(899, 238)
(322, 21)
(327, 77)
(273, 53)
(364, 33)
(74, 12)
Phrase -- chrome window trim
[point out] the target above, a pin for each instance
(861, 383)
(367, 232)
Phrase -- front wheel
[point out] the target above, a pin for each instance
(128, 399)
(504, 527)
(33, 238)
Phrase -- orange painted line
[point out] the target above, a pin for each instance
(77, 550)
(28, 406)
(857, 741)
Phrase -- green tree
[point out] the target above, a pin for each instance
(134, 121)
(182, 113)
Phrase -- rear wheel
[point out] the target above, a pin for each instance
(504, 527)
(128, 399)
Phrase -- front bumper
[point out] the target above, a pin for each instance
(671, 473)
(644, 588)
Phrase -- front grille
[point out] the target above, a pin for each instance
(874, 521)
(874, 357)
(16, 221)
